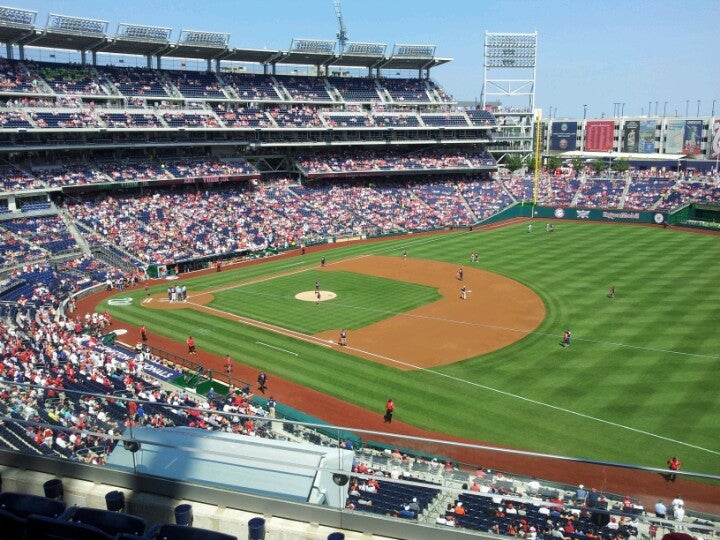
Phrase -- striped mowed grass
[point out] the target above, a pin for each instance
(638, 384)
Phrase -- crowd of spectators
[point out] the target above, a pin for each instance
(46, 232)
(356, 89)
(127, 119)
(643, 193)
(135, 82)
(252, 87)
(351, 161)
(196, 85)
(242, 117)
(691, 191)
(396, 120)
(70, 79)
(13, 119)
(14, 179)
(445, 119)
(165, 225)
(601, 193)
(56, 119)
(67, 392)
(635, 191)
(14, 77)
(88, 173)
(348, 120)
(188, 119)
(407, 90)
(305, 88)
(305, 116)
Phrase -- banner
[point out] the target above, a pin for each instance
(715, 144)
(692, 137)
(563, 136)
(599, 135)
(600, 215)
(674, 131)
(647, 137)
(159, 371)
(631, 136)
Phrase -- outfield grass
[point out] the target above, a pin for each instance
(638, 385)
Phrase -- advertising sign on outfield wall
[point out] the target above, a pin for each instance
(599, 135)
(618, 216)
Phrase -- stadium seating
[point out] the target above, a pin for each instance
(242, 117)
(252, 87)
(138, 82)
(196, 85)
(304, 89)
(64, 79)
(406, 90)
(356, 90)
(396, 120)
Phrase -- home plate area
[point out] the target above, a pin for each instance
(311, 296)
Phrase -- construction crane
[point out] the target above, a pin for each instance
(342, 36)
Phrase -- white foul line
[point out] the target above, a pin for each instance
(276, 348)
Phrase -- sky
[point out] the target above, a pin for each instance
(592, 54)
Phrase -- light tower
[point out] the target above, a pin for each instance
(509, 88)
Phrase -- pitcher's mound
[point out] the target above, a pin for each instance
(310, 296)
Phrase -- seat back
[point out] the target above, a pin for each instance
(22, 505)
(110, 522)
(180, 532)
(45, 528)
(11, 526)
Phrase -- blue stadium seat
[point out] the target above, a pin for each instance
(45, 528)
(178, 532)
(22, 505)
(109, 522)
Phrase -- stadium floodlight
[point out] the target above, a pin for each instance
(510, 50)
(366, 49)
(414, 51)
(18, 18)
(139, 32)
(65, 24)
(312, 46)
(196, 38)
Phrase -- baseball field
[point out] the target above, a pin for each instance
(638, 383)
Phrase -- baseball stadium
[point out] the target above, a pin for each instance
(308, 294)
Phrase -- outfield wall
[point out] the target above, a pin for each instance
(528, 210)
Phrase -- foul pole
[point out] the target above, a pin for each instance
(538, 157)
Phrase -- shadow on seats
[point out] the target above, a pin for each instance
(16, 507)
(22, 505)
(45, 528)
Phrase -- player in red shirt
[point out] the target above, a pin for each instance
(191, 345)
